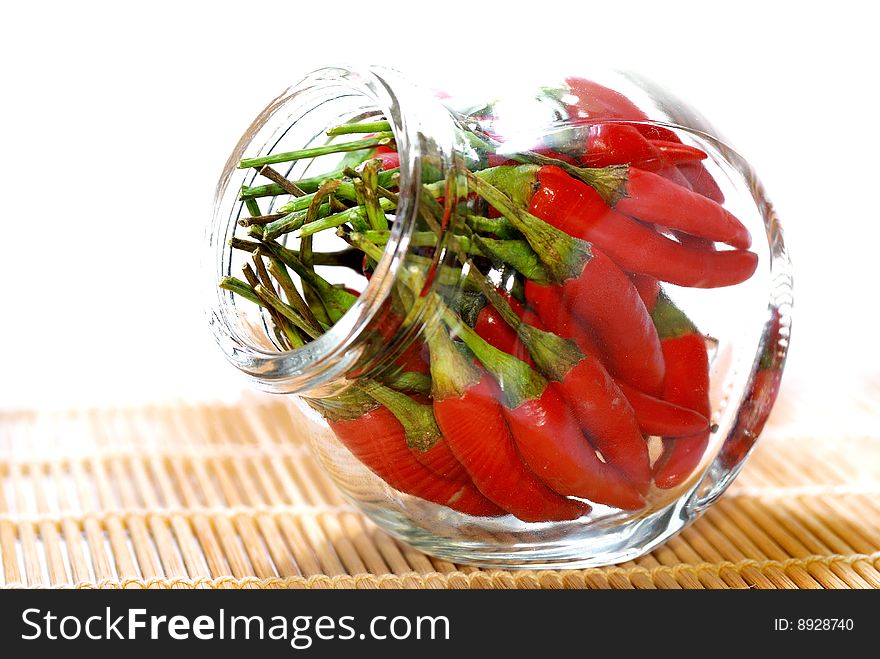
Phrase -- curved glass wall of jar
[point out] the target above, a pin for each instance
(250, 199)
(542, 329)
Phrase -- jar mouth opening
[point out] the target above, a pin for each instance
(324, 98)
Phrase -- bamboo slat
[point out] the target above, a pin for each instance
(211, 496)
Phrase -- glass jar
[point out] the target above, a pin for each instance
(542, 329)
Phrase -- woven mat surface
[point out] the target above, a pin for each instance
(211, 496)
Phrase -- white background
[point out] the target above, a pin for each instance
(115, 121)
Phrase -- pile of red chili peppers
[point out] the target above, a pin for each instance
(579, 382)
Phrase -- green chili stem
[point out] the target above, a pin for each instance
(292, 221)
(315, 302)
(370, 178)
(352, 215)
(259, 219)
(253, 283)
(283, 332)
(411, 381)
(446, 275)
(452, 374)
(391, 176)
(276, 303)
(295, 215)
(344, 258)
(364, 127)
(316, 307)
(381, 139)
(292, 335)
(308, 185)
(336, 206)
(294, 299)
(417, 419)
(393, 197)
(671, 322)
(288, 186)
(553, 355)
(360, 222)
(345, 190)
(243, 245)
(519, 382)
(250, 275)
(327, 188)
(609, 182)
(564, 257)
(262, 273)
(516, 253)
(258, 191)
(240, 288)
(253, 207)
(336, 300)
(500, 226)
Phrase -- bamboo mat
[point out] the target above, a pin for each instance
(211, 496)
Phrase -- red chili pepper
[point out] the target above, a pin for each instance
(422, 434)
(758, 401)
(468, 411)
(442, 461)
(701, 181)
(597, 403)
(579, 210)
(619, 144)
(390, 159)
(648, 289)
(654, 415)
(649, 197)
(755, 411)
(652, 198)
(414, 357)
(592, 102)
(566, 326)
(622, 144)
(663, 418)
(378, 440)
(495, 160)
(673, 174)
(653, 132)
(592, 288)
(674, 152)
(492, 328)
(687, 384)
(563, 326)
(571, 465)
(694, 241)
(548, 434)
(606, 300)
(605, 416)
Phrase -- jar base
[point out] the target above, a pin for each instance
(583, 544)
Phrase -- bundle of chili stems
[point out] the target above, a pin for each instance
(535, 391)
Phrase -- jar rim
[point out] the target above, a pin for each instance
(330, 356)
